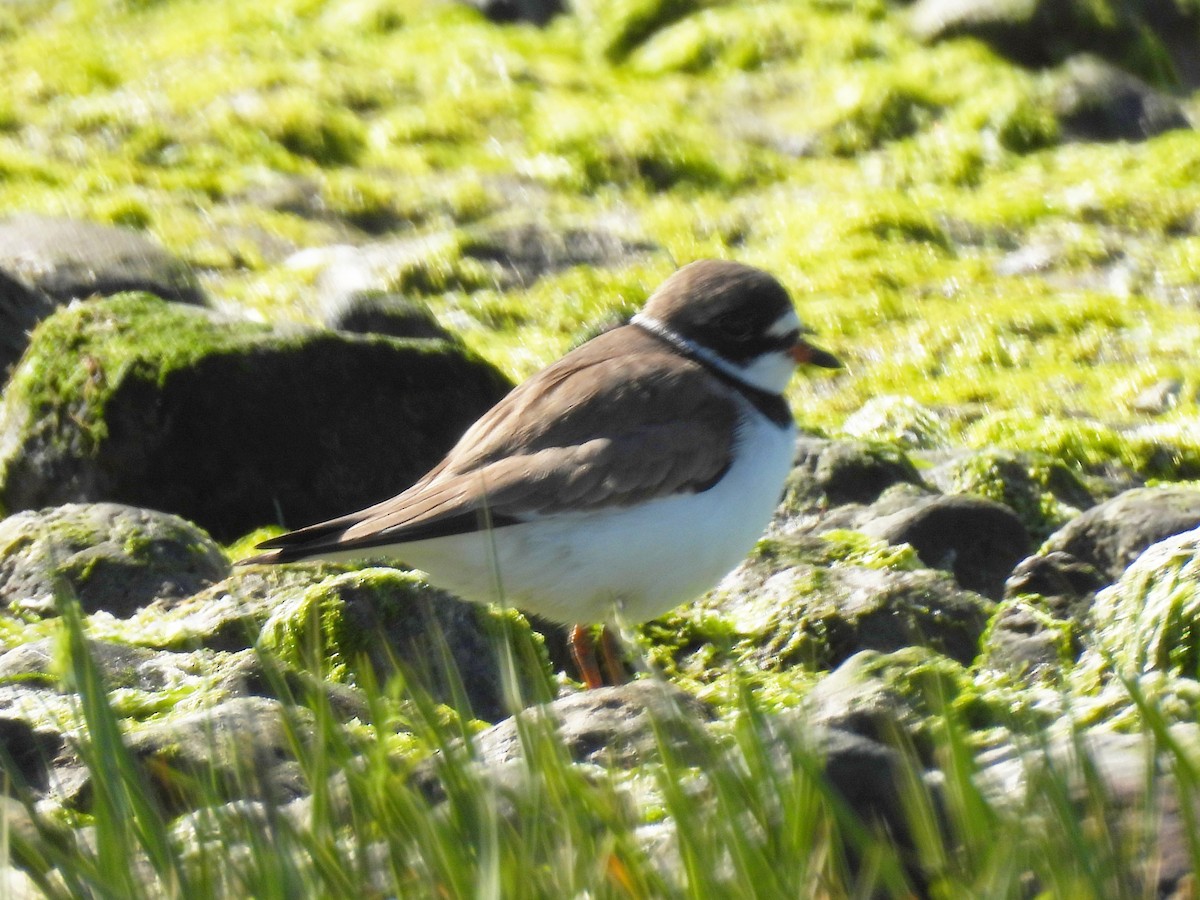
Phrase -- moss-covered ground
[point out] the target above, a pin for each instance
(987, 282)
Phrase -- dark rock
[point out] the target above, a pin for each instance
(110, 557)
(26, 754)
(1041, 490)
(1110, 536)
(868, 777)
(538, 12)
(71, 259)
(241, 748)
(1046, 32)
(21, 308)
(612, 726)
(1065, 582)
(833, 473)
(378, 312)
(1096, 101)
(522, 254)
(978, 540)
(230, 424)
(383, 617)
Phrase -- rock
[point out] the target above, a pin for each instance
(1096, 101)
(227, 423)
(1045, 32)
(607, 727)
(1113, 534)
(27, 752)
(616, 29)
(1125, 779)
(71, 259)
(21, 308)
(230, 614)
(110, 557)
(1041, 490)
(537, 12)
(381, 617)
(1149, 621)
(978, 540)
(817, 616)
(519, 255)
(118, 664)
(898, 420)
(611, 726)
(490, 256)
(378, 312)
(858, 698)
(241, 748)
(869, 778)
(1066, 583)
(832, 473)
(1027, 638)
(1158, 398)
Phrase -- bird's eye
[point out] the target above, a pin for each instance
(736, 326)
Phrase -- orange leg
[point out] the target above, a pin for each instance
(583, 651)
(614, 666)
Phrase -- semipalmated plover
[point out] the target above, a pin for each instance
(624, 479)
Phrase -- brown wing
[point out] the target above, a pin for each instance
(667, 428)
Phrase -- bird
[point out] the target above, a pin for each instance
(622, 480)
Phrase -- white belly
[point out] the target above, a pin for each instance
(642, 560)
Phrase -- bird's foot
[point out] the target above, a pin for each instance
(583, 651)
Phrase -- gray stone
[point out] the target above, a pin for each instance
(819, 616)
(1158, 398)
(1126, 781)
(978, 540)
(521, 254)
(110, 557)
(1113, 534)
(833, 473)
(241, 748)
(1096, 101)
(612, 726)
(72, 259)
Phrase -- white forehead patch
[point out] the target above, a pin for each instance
(788, 323)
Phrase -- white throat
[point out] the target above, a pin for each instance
(769, 372)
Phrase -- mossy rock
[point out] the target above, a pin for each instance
(228, 423)
(1042, 491)
(110, 557)
(1150, 620)
(375, 622)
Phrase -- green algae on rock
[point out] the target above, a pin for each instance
(228, 423)
(1150, 620)
(379, 620)
(110, 557)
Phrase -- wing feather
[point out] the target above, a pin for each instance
(666, 429)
